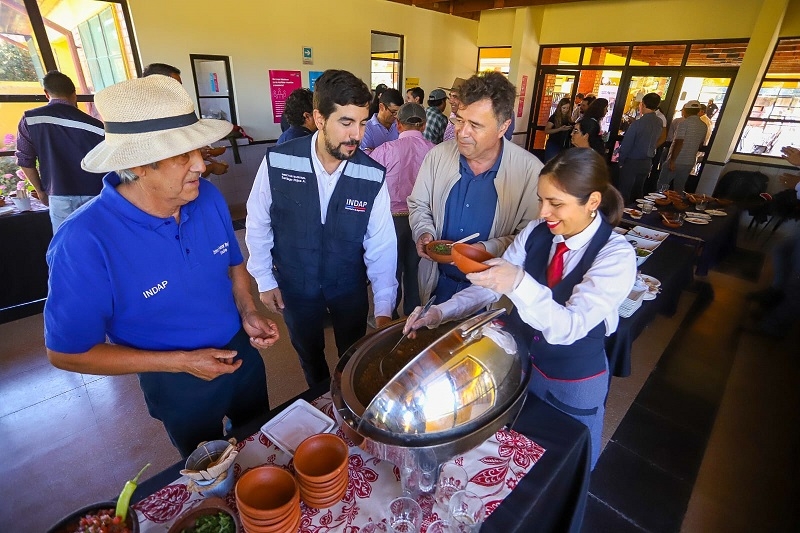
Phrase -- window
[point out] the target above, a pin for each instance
(495, 59)
(386, 60)
(774, 119)
(87, 40)
(212, 83)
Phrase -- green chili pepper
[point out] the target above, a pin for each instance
(124, 500)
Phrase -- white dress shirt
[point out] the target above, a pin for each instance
(595, 299)
(380, 248)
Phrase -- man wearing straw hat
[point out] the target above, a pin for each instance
(148, 277)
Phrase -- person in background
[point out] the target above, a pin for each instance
(689, 135)
(163, 69)
(376, 98)
(586, 134)
(638, 148)
(435, 121)
(566, 274)
(415, 95)
(557, 129)
(148, 278)
(482, 183)
(319, 228)
(779, 304)
(597, 109)
(584, 106)
(382, 126)
(576, 107)
(57, 136)
(711, 108)
(403, 159)
(300, 113)
(452, 97)
(706, 121)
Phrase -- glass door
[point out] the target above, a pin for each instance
(553, 86)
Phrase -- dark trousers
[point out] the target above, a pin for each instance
(192, 409)
(632, 176)
(304, 317)
(407, 267)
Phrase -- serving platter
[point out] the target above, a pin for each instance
(699, 221)
(296, 423)
(647, 233)
(641, 242)
(716, 212)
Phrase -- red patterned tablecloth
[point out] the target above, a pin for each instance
(494, 469)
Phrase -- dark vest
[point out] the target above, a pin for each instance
(583, 358)
(63, 135)
(311, 259)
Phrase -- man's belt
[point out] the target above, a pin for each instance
(401, 214)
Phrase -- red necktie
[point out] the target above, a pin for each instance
(556, 267)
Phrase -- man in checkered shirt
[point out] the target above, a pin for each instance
(435, 120)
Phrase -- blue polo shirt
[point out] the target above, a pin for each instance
(144, 281)
(375, 133)
(470, 208)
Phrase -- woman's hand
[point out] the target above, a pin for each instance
(430, 320)
(503, 277)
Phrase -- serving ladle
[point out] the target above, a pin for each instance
(405, 335)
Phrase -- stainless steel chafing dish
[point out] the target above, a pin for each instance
(440, 394)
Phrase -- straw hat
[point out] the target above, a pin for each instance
(147, 120)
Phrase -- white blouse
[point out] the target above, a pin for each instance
(595, 299)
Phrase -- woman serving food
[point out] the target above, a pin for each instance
(567, 274)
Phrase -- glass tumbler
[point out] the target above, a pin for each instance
(405, 515)
(467, 512)
(452, 478)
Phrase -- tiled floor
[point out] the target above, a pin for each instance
(709, 443)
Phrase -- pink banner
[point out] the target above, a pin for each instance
(281, 85)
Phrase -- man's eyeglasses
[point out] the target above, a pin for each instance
(392, 111)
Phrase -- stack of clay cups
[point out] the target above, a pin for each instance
(320, 463)
(268, 500)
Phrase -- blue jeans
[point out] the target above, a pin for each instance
(62, 206)
(678, 176)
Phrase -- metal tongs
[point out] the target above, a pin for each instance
(405, 335)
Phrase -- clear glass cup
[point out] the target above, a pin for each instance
(701, 204)
(405, 515)
(663, 187)
(374, 527)
(440, 526)
(452, 478)
(428, 468)
(467, 512)
(647, 208)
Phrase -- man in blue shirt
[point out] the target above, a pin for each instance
(300, 113)
(58, 135)
(638, 148)
(152, 264)
(382, 126)
(477, 182)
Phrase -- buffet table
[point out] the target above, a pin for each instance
(26, 236)
(713, 241)
(551, 496)
(671, 263)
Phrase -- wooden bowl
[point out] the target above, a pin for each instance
(438, 256)
(321, 458)
(266, 492)
(469, 258)
(208, 507)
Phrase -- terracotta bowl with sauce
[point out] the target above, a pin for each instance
(470, 258)
(436, 251)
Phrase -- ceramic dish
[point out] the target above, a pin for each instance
(641, 204)
(655, 196)
(698, 221)
(645, 244)
(647, 233)
(439, 257)
(699, 215)
(208, 507)
(470, 259)
(295, 424)
(716, 212)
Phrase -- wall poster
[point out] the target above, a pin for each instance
(281, 85)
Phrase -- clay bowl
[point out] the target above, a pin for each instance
(439, 257)
(321, 458)
(262, 522)
(322, 493)
(334, 483)
(724, 201)
(272, 526)
(322, 503)
(266, 492)
(663, 201)
(470, 259)
(70, 522)
(680, 206)
(210, 506)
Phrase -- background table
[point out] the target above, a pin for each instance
(713, 241)
(551, 497)
(23, 268)
(672, 263)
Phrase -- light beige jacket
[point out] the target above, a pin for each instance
(517, 204)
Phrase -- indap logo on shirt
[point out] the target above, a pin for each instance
(358, 206)
(155, 290)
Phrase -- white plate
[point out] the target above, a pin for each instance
(6, 209)
(651, 282)
(716, 212)
(621, 231)
(295, 424)
(640, 204)
(649, 295)
(641, 242)
(700, 221)
(655, 196)
(647, 233)
(692, 214)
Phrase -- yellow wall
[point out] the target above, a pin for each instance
(791, 20)
(259, 36)
(496, 27)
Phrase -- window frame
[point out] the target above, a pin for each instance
(399, 61)
(233, 119)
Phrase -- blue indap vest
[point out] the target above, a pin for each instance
(311, 259)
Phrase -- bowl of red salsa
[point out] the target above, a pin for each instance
(98, 517)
